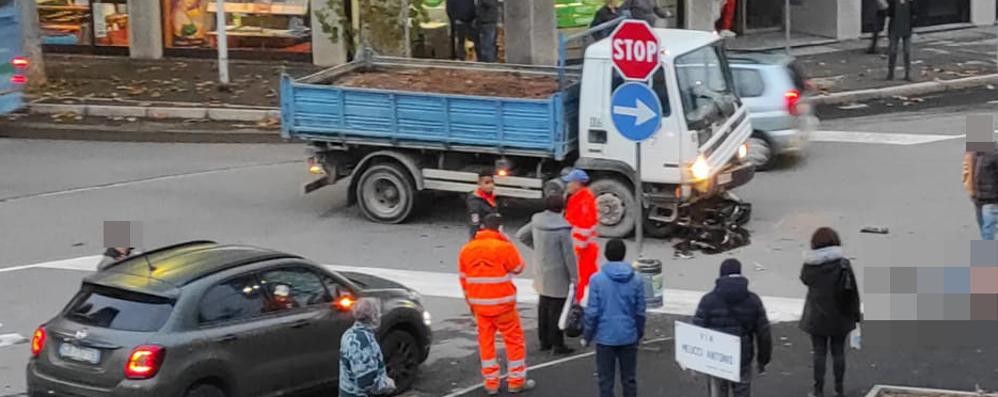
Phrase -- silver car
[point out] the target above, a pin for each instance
(775, 91)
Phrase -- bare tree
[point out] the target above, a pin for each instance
(31, 34)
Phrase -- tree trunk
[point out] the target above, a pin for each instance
(32, 40)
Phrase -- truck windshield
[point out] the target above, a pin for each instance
(705, 86)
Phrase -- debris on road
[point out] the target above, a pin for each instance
(875, 230)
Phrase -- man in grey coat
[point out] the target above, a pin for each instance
(550, 236)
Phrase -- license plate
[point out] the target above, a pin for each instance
(84, 354)
(724, 179)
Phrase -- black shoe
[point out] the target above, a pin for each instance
(839, 390)
(871, 50)
(890, 76)
(545, 348)
(563, 351)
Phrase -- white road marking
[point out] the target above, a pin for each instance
(144, 180)
(881, 138)
(469, 389)
(447, 285)
(11, 340)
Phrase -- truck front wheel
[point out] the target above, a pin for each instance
(386, 193)
(617, 207)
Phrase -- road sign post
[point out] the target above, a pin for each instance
(636, 110)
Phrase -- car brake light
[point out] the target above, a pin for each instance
(19, 79)
(793, 98)
(144, 362)
(38, 342)
(20, 63)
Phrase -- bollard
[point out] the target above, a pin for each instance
(650, 271)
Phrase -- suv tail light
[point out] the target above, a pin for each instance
(38, 341)
(144, 362)
(793, 98)
(19, 63)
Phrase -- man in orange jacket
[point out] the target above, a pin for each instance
(487, 265)
(582, 214)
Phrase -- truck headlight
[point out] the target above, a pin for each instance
(700, 168)
(427, 318)
(742, 151)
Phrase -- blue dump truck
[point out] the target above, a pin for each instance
(400, 128)
(13, 64)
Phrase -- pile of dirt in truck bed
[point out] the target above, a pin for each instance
(454, 81)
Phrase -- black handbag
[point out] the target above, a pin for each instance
(575, 321)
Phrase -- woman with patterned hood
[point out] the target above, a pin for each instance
(362, 367)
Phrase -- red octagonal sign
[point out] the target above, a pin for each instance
(634, 49)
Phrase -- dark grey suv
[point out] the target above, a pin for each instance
(200, 319)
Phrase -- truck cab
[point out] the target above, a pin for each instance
(696, 153)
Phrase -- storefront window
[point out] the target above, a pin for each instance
(273, 25)
(65, 22)
(110, 23)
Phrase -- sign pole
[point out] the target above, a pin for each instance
(639, 201)
(222, 39)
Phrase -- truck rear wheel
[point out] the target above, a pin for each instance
(386, 193)
(617, 207)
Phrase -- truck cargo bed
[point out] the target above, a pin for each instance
(328, 107)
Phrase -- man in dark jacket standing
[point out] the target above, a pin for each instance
(481, 202)
(901, 13)
(615, 320)
(832, 307)
(550, 236)
(985, 177)
(646, 10)
(733, 309)
(461, 14)
(487, 24)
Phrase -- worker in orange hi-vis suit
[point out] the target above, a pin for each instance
(582, 214)
(487, 265)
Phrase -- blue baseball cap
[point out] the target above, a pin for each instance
(576, 175)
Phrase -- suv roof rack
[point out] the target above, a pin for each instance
(162, 249)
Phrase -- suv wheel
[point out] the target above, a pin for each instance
(204, 390)
(402, 358)
(760, 153)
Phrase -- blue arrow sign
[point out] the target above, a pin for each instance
(636, 111)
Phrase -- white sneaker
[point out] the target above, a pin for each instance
(728, 33)
(528, 385)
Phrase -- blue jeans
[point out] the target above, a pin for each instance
(486, 46)
(607, 358)
(989, 221)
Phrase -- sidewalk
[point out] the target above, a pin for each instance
(790, 372)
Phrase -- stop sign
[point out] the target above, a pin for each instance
(634, 49)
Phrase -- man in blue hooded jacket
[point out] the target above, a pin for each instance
(733, 309)
(615, 320)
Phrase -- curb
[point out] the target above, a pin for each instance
(157, 112)
(877, 389)
(104, 133)
(928, 87)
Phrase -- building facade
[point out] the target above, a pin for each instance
(303, 30)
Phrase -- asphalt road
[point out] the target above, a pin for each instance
(54, 196)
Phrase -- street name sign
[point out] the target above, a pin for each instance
(636, 111)
(634, 49)
(710, 352)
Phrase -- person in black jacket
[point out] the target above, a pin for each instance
(607, 13)
(733, 309)
(880, 15)
(487, 25)
(986, 191)
(832, 307)
(481, 202)
(902, 13)
(461, 14)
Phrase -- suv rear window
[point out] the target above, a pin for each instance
(113, 308)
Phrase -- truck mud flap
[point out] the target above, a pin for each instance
(316, 184)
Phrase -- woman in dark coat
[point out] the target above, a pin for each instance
(832, 308)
